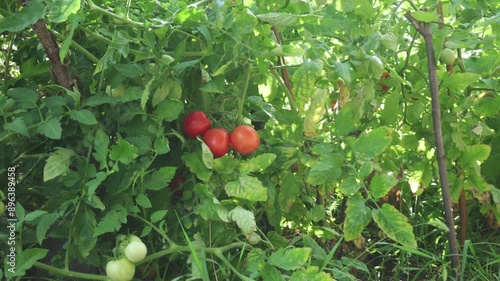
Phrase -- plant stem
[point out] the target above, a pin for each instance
(69, 273)
(246, 80)
(425, 30)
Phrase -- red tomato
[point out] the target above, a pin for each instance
(175, 183)
(218, 141)
(196, 124)
(245, 139)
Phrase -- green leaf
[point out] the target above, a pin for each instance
(161, 145)
(101, 143)
(473, 154)
(158, 215)
(169, 88)
(66, 44)
(43, 226)
(373, 143)
(83, 116)
(289, 191)
(390, 41)
(123, 152)
(425, 16)
(196, 166)
(458, 81)
(17, 126)
(244, 219)
(57, 164)
(343, 70)
(311, 273)
(317, 251)
(257, 164)
(344, 122)
(390, 113)
(94, 183)
(350, 186)
(130, 70)
(25, 98)
(25, 260)
(25, 18)
(357, 217)
(326, 170)
(365, 169)
(395, 225)
(269, 272)
(290, 259)
(317, 213)
(160, 179)
(169, 109)
(247, 187)
(51, 129)
(143, 201)
(84, 231)
(279, 19)
(60, 10)
(112, 221)
(381, 184)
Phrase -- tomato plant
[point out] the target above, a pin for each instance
(244, 139)
(99, 117)
(218, 141)
(196, 124)
(120, 270)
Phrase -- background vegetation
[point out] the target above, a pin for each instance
(344, 185)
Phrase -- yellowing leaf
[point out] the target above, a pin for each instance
(395, 225)
(357, 217)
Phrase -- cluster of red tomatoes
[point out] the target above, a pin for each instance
(244, 139)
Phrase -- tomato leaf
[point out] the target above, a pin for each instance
(381, 184)
(51, 129)
(244, 219)
(395, 225)
(311, 273)
(256, 164)
(247, 187)
(357, 217)
(26, 17)
(160, 179)
(373, 143)
(123, 152)
(83, 116)
(475, 153)
(350, 186)
(112, 221)
(57, 164)
(344, 122)
(60, 10)
(25, 260)
(329, 168)
(290, 259)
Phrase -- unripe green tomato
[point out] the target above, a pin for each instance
(120, 270)
(447, 56)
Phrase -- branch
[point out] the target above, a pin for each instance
(52, 51)
(425, 30)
